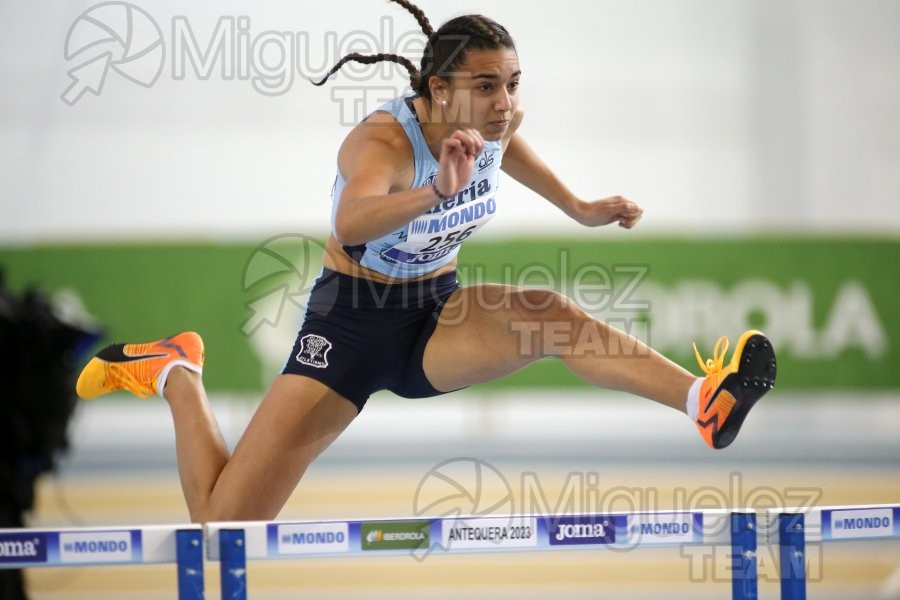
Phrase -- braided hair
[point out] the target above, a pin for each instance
(445, 50)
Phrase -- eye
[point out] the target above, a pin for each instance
(486, 87)
(514, 85)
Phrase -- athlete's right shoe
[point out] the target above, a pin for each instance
(729, 391)
(141, 369)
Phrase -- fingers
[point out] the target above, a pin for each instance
(628, 222)
(629, 216)
(452, 146)
(458, 155)
(469, 140)
(627, 213)
(624, 206)
(607, 211)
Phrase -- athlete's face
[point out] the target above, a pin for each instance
(484, 92)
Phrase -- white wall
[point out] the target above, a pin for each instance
(742, 115)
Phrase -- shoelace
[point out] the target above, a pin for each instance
(717, 362)
(128, 381)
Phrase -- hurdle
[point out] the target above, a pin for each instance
(181, 545)
(791, 528)
(234, 544)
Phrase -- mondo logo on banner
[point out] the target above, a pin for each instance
(665, 528)
(99, 547)
(23, 548)
(308, 538)
(850, 524)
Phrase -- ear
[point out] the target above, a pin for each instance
(439, 88)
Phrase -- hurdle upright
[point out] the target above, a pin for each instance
(181, 545)
(792, 528)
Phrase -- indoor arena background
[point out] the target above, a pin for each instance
(177, 176)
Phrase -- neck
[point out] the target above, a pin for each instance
(434, 126)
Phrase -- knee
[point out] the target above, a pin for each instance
(554, 324)
(548, 307)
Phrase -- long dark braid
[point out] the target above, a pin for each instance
(368, 59)
(446, 48)
(424, 23)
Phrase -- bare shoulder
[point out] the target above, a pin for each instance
(379, 140)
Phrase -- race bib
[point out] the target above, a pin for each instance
(433, 237)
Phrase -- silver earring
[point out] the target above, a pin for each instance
(444, 104)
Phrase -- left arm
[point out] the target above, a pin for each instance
(526, 167)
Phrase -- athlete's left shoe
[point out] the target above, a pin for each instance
(141, 369)
(730, 391)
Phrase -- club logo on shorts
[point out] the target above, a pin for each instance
(314, 351)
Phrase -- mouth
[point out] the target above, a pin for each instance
(501, 123)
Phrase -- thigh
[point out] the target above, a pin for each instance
(296, 420)
(487, 331)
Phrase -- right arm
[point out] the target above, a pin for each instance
(376, 167)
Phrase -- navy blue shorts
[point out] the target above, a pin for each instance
(360, 336)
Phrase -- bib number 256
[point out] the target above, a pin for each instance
(449, 238)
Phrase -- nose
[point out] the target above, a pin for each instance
(503, 102)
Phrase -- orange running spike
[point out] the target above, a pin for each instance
(139, 368)
(729, 392)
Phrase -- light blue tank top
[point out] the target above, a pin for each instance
(432, 240)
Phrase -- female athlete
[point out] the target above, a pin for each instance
(415, 180)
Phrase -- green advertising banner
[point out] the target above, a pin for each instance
(829, 305)
(395, 535)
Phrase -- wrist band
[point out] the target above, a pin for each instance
(438, 193)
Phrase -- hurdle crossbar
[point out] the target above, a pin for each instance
(108, 546)
(233, 544)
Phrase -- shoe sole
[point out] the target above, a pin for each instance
(754, 377)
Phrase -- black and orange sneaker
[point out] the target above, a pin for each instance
(729, 392)
(141, 369)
